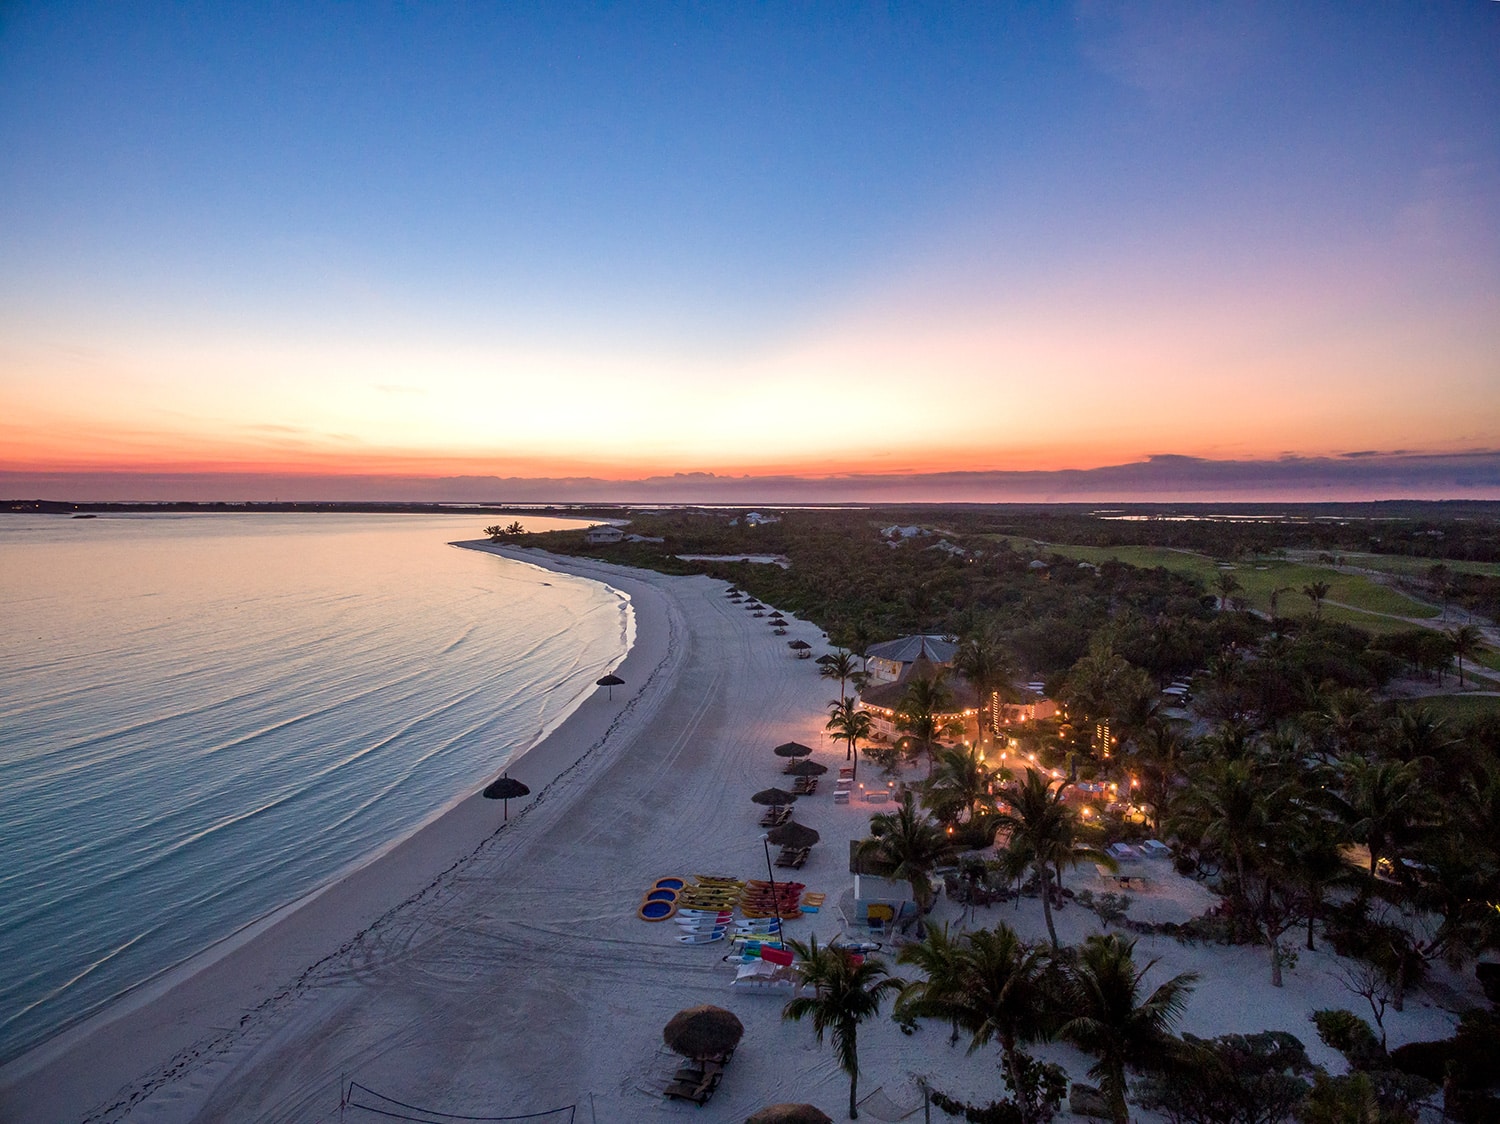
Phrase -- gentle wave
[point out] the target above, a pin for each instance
(204, 718)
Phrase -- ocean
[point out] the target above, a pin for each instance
(206, 717)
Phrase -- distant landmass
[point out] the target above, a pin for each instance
(1167, 478)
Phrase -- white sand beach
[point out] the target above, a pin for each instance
(485, 974)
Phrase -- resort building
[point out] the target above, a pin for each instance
(891, 662)
(891, 667)
(603, 533)
(1014, 714)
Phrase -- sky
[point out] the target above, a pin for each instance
(376, 248)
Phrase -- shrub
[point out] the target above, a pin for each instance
(1233, 1079)
(1350, 1035)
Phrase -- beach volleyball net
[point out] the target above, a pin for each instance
(358, 1103)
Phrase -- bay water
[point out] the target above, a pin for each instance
(205, 717)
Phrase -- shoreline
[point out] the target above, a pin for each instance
(522, 981)
(229, 980)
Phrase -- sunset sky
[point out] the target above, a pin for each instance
(627, 240)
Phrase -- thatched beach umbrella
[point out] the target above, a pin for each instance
(504, 788)
(805, 768)
(790, 1114)
(792, 749)
(778, 618)
(774, 797)
(610, 681)
(793, 834)
(801, 647)
(703, 1032)
(826, 658)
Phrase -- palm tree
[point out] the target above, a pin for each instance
(1110, 1022)
(1043, 835)
(847, 990)
(1344, 720)
(1420, 734)
(940, 994)
(1315, 592)
(1312, 862)
(910, 845)
(1382, 802)
(1227, 584)
(1004, 996)
(1224, 813)
(960, 784)
(1467, 640)
(844, 667)
(1157, 752)
(847, 722)
(989, 983)
(981, 660)
(919, 714)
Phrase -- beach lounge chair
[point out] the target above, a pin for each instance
(699, 1092)
(793, 857)
(696, 1081)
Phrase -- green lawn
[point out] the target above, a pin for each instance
(1359, 596)
(1489, 658)
(1459, 708)
(1418, 567)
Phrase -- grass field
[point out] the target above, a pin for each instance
(1359, 597)
(1459, 708)
(1418, 567)
(1489, 658)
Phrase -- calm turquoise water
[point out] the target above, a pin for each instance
(205, 717)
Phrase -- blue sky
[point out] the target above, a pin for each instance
(539, 240)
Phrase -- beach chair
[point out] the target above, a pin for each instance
(699, 1092)
(793, 857)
